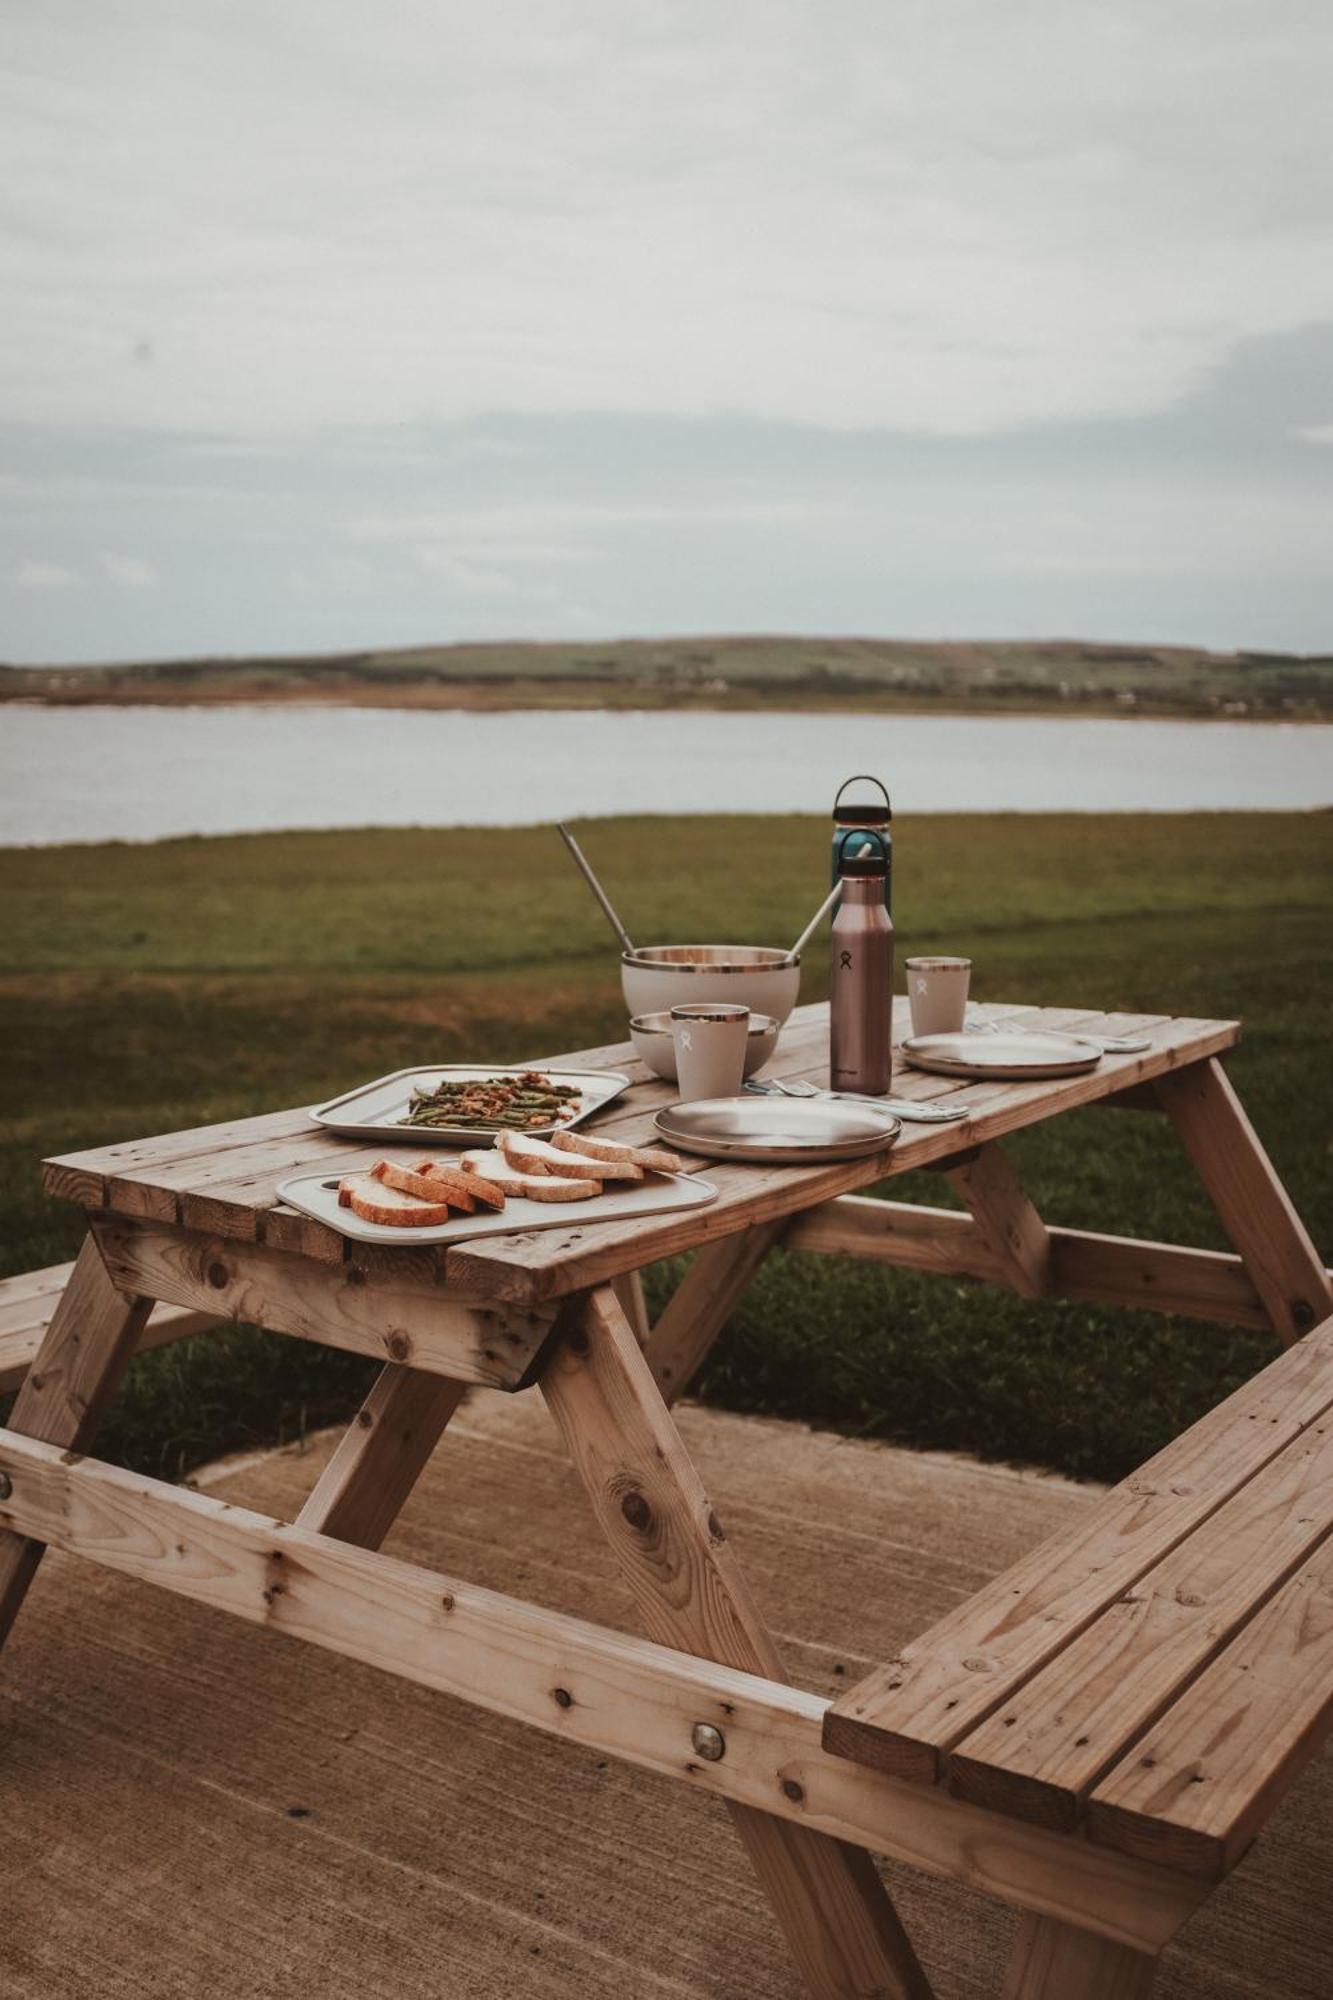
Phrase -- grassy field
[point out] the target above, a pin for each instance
(1020, 676)
(147, 988)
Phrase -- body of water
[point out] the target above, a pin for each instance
(90, 774)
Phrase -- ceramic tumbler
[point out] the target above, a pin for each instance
(710, 1039)
(937, 994)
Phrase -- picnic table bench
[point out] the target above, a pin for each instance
(1051, 1742)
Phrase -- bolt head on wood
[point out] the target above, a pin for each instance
(708, 1742)
(6, 1486)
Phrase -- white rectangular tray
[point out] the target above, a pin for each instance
(316, 1195)
(373, 1110)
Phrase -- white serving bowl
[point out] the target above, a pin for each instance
(653, 1043)
(658, 977)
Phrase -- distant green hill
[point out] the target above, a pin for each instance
(758, 672)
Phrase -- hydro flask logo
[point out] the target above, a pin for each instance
(846, 961)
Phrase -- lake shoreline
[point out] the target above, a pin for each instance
(534, 697)
(87, 774)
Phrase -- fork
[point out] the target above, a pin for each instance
(1110, 1045)
(897, 1107)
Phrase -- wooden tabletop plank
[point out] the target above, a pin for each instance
(1039, 1755)
(909, 1714)
(1199, 1787)
(224, 1179)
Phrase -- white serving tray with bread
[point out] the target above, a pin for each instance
(376, 1110)
(521, 1183)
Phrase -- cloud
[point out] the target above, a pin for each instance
(951, 219)
(34, 575)
(129, 572)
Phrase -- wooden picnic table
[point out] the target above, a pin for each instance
(193, 1219)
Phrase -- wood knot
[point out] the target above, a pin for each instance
(791, 1790)
(447, 1601)
(562, 1697)
(637, 1511)
(219, 1277)
(715, 1531)
(365, 1419)
(399, 1346)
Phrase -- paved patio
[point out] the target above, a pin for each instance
(401, 1847)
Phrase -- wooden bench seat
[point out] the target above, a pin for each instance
(28, 1301)
(1155, 1679)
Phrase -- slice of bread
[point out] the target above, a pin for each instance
(653, 1159)
(471, 1187)
(390, 1207)
(534, 1156)
(493, 1166)
(427, 1183)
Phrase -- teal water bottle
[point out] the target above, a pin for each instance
(872, 820)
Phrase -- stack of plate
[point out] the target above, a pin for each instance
(778, 1131)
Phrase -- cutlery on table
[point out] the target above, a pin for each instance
(905, 1108)
(1110, 1045)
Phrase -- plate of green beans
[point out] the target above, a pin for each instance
(464, 1105)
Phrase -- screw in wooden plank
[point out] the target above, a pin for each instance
(6, 1486)
(710, 1743)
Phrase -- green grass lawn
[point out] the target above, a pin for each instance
(147, 988)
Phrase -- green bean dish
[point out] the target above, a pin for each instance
(494, 1104)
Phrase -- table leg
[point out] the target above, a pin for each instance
(1254, 1207)
(77, 1369)
(703, 1302)
(363, 1488)
(648, 1498)
(1054, 1961)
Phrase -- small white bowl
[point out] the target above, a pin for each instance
(658, 977)
(653, 1044)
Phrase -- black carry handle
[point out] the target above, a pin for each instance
(863, 778)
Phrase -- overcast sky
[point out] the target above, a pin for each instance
(332, 324)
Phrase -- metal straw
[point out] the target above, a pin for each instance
(814, 923)
(597, 889)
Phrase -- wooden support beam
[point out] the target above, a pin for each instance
(630, 1299)
(689, 1590)
(610, 1692)
(363, 1488)
(1104, 1270)
(1054, 1961)
(85, 1351)
(371, 1307)
(19, 1343)
(1010, 1226)
(702, 1304)
(911, 1237)
(1254, 1207)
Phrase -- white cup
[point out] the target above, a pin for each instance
(710, 1039)
(937, 994)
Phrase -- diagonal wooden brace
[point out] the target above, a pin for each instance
(1010, 1226)
(1251, 1202)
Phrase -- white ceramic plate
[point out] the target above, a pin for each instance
(316, 1195)
(779, 1131)
(376, 1110)
(1002, 1056)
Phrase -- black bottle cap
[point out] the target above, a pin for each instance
(854, 866)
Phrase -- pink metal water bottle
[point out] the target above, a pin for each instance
(861, 985)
